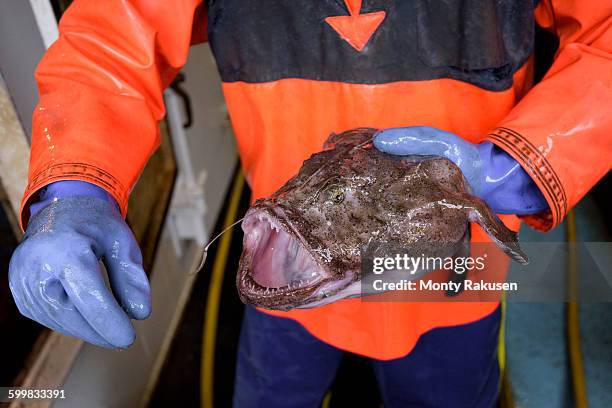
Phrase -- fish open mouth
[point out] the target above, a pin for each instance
(276, 268)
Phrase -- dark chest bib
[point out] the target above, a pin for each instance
(480, 42)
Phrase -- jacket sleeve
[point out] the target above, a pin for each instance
(561, 131)
(101, 86)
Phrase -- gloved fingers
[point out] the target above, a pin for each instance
(127, 277)
(85, 286)
(62, 316)
(61, 310)
(26, 303)
(20, 274)
(417, 140)
(38, 308)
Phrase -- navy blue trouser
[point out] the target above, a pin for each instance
(280, 364)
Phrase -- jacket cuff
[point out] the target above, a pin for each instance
(544, 176)
(72, 171)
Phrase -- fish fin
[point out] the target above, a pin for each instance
(505, 238)
(480, 213)
(350, 137)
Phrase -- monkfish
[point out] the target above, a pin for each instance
(302, 245)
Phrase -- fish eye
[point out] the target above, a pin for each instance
(336, 194)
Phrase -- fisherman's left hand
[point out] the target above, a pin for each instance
(492, 173)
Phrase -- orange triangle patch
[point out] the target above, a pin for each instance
(356, 29)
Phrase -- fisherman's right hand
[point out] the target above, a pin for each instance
(55, 275)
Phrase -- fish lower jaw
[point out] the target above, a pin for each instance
(305, 296)
(256, 289)
(281, 298)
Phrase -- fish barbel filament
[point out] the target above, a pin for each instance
(204, 252)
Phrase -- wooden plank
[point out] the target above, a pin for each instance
(10, 214)
(14, 153)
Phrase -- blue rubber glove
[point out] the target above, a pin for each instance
(493, 174)
(55, 275)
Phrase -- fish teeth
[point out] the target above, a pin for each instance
(273, 225)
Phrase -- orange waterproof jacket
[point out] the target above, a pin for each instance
(295, 71)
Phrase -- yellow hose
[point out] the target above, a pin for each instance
(214, 294)
(326, 400)
(573, 320)
(501, 348)
(506, 399)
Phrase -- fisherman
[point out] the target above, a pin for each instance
(293, 72)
